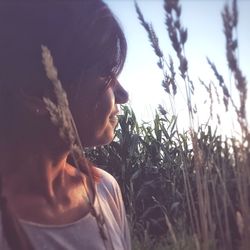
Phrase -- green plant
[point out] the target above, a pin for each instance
(186, 190)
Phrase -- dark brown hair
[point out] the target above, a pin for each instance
(85, 40)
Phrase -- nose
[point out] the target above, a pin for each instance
(121, 95)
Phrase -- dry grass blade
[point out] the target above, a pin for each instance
(230, 20)
(151, 33)
(62, 118)
(59, 112)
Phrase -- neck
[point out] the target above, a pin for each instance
(36, 175)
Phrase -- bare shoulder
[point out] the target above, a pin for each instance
(71, 170)
(106, 183)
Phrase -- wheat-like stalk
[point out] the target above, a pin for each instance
(60, 114)
(61, 117)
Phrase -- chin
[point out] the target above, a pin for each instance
(106, 140)
(107, 135)
(100, 141)
(100, 136)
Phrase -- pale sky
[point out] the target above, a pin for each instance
(141, 76)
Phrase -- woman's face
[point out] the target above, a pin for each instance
(95, 110)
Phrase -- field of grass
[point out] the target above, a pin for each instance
(185, 190)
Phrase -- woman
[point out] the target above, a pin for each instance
(45, 202)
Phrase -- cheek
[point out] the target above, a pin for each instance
(93, 120)
(105, 105)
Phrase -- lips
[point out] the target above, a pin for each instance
(114, 117)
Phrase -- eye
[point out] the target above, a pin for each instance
(109, 81)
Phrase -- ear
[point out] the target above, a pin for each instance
(33, 104)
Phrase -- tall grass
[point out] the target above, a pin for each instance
(185, 190)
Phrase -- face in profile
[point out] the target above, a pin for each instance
(76, 50)
(95, 111)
